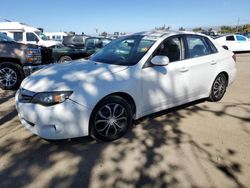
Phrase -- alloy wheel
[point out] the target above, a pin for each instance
(219, 88)
(110, 120)
(8, 77)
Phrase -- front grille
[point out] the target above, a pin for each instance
(25, 96)
(46, 55)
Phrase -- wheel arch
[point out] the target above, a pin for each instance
(123, 95)
(11, 60)
(217, 74)
(226, 74)
(64, 55)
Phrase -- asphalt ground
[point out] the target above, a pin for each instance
(202, 144)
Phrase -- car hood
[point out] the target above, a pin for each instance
(49, 43)
(70, 76)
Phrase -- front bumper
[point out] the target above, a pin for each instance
(61, 121)
(28, 70)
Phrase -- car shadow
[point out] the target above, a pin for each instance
(139, 159)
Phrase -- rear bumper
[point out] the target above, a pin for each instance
(232, 74)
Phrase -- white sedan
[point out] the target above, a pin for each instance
(131, 77)
(235, 43)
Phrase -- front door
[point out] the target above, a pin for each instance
(165, 86)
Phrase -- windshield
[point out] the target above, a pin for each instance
(41, 35)
(5, 38)
(124, 51)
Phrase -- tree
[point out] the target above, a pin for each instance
(105, 34)
(181, 29)
(210, 29)
(227, 29)
(198, 29)
(246, 28)
(163, 28)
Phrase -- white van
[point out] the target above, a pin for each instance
(58, 36)
(26, 34)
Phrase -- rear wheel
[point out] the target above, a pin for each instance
(11, 76)
(219, 88)
(64, 59)
(110, 119)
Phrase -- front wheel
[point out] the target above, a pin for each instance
(110, 119)
(11, 76)
(219, 88)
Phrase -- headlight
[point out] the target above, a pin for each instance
(33, 55)
(51, 98)
(33, 51)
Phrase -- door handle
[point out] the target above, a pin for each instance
(213, 62)
(183, 69)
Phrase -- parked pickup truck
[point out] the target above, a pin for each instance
(19, 60)
(68, 52)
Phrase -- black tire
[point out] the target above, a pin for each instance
(218, 88)
(11, 76)
(64, 59)
(104, 123)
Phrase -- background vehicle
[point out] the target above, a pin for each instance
(26, 34)
(247, 34)
(131, 77)
(71, 52)
(235, 43)
(94, 44)
(58, 36)
(77, 41)
(19, 60)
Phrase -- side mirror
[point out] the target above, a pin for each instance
(160, 60)
(225, 47)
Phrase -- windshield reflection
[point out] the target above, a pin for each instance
(124, 51)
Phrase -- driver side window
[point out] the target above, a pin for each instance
(31, 37)
(170, 48)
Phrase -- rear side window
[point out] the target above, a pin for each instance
(78, 40)
(197, 46)
(90, 43)
(240, 38)
(230, 38)
(211, 46)
(31, 37)
(18, 36)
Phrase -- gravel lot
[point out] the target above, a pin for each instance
(201, 145)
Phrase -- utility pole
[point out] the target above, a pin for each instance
(96, 30)
(238, 23)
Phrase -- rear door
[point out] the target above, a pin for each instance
(199, 66)
(242, 43)
(231, 43)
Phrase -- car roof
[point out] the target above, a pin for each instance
(99, 38)
(156, 34)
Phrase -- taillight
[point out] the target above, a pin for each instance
(234, 58)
